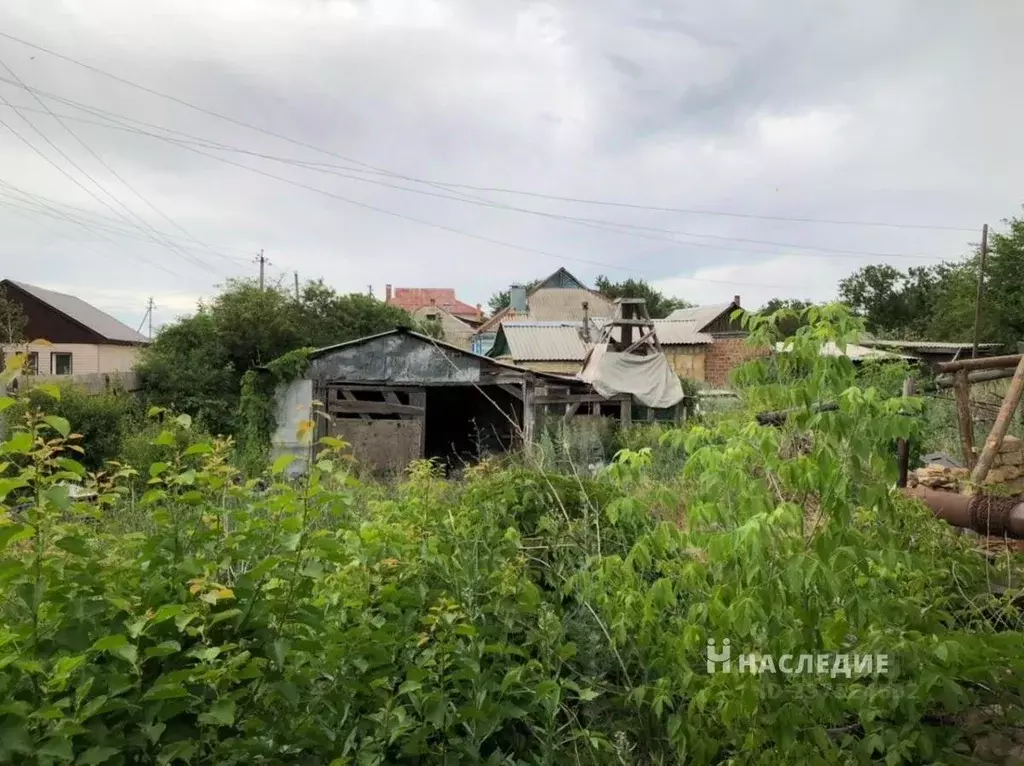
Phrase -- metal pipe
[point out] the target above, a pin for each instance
(984, 514)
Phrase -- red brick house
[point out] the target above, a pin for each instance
(415, 299)
(718, 342)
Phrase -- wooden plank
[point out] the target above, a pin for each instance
(982, 376)
(987, 363)
(1002, 424)
(376, 408)
(571, 409)
(515, 391)
(626, 413)
(381, 388)
(391, 397)
(529, 412)
(903, 447)
(571, 398)
(345, 394)
(963, 417)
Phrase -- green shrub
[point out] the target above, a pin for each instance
(517, 617)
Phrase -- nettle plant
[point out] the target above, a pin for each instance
(796, 543)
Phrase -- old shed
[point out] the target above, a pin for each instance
(399, 396)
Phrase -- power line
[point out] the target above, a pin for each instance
(75, 180)
(103, 162)
(614, 227)
(485, 189)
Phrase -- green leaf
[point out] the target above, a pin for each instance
(166, 692)
(50, 389)
(19, 443)
(108, 643)
(165, 439)
(75, 545)
(12, 533)
(156, 469)
(96, 755)
(153, 411)
(59, 495)
(279, 651)
(58, 747)
(221, 714)
(153, 731)
(281, 463)
(5, 402)
(129, 653)
(71, 465)
(163, 649)
(202, 448)
(183, 420)
(58, 424)
(589, 694)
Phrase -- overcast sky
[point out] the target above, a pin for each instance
(885, 111)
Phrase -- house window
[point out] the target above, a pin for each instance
(60, 364)
(32, 363)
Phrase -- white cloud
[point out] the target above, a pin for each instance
(830, 110)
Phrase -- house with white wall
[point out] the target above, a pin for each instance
(66, 336)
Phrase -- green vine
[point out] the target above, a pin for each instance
(256, 408)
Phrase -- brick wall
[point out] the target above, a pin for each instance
(724, 355)
(687, 361)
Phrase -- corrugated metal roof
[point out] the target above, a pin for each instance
(85, 314)
(680, 332)
(928, 345)
(534, 342)
(853, 352)
(701, 315)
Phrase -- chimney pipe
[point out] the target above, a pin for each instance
(586, 321)
(387, 293)
(736, 299)
(517, 298)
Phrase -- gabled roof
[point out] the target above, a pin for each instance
(438, 344)
(540, 341)
(703, 315)
(561, 296)
(412, 298)
(82, 313)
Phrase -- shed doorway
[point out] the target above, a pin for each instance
(464, 424)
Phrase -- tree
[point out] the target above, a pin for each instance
(895, 302)
(501, 299)
(13, 321)
(1004, 284)
(195, 365)
(794, 317)
(659, 305)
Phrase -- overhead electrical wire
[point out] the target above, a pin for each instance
(107, 166)
(484, 189)
(78, 183)
(115, 122)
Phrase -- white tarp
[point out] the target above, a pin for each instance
(650, 379)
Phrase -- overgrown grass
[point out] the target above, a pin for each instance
(518, 616)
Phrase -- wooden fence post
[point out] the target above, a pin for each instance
(995, 438)
(963, 415)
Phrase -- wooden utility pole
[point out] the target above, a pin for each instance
(904, 444)
(149, 313)
(296, 286)
(981, 288)
(962, 388)
(262, 261)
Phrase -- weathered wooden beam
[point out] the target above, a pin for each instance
(378, 388)
(571, 408)
(347, 395)
(571, 398)
(349, 407)
(981, 376)
(1002, 424)
(626, 412)
(962, 389)
(903, 447)
(529, 411)
(987, 363)
(514, 391)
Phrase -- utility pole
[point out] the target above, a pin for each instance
(296, 286)
(262, 261)
(981, 288)
(148, 315)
